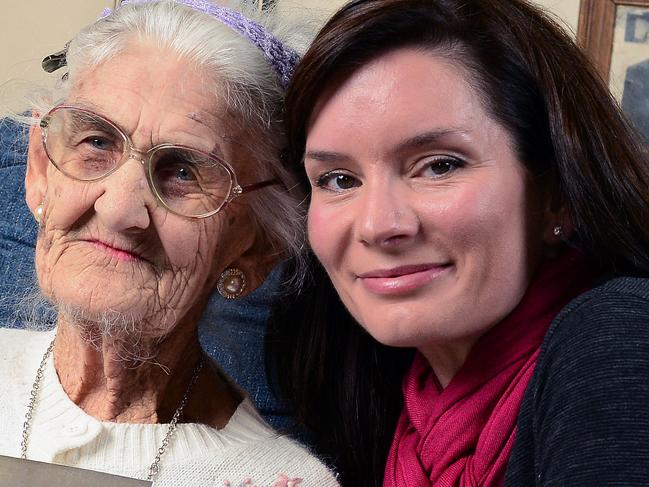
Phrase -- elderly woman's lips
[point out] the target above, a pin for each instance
(118, 253)
(401, 280)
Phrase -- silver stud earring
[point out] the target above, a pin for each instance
(232, 283)
(38, 213)
(557, 230)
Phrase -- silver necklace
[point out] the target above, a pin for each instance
(155, 466)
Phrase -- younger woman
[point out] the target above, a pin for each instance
(476, 195)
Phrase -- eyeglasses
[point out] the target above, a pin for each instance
(188, 182)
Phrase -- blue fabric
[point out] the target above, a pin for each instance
(232, 332)
(17, 227)
(635, 97)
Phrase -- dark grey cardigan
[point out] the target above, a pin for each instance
(584, 420)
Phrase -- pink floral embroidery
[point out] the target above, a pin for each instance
(282, 481)
(285, 481)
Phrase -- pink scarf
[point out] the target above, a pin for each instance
(463, 435)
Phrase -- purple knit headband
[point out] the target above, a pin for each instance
(282, 59)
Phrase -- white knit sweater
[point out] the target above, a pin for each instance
(245, 452)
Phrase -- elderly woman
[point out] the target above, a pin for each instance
(154, 176)
(476, 195)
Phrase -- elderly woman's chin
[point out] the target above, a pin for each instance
(114, 297)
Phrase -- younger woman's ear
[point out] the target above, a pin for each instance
(557, 222)
(558, 226)
(37, 165)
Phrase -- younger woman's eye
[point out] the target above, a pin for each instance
(440, 167)
(337, 181)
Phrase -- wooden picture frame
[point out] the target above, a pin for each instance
(596, 27)
(615, 35)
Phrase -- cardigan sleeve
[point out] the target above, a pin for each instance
(588, 409)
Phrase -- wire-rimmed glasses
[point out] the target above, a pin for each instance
(188, 182)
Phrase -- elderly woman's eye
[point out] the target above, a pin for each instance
(337, 181)
(175, 178)
(184, 174)
(96, 142)
(439, 167)
(177, 167)
(99, 143)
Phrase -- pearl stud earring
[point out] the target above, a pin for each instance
(38, 213)
(232, 283)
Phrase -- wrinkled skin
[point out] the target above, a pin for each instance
(108, 248)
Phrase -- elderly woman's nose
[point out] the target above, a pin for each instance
(384, 214)
(125, 201)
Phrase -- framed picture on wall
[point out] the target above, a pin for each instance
(615, 33)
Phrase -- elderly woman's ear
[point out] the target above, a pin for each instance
(255, 263)
(37, 165)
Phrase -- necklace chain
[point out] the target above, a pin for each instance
(155, 466)
(32, 402)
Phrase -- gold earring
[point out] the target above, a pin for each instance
(232, 283)
(38, 213)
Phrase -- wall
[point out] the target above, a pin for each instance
(32, 29)
(566, 10)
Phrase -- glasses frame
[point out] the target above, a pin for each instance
(145, 157)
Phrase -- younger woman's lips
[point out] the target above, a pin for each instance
(401, 280)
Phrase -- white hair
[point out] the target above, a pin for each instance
(32, 310)
(248, 85)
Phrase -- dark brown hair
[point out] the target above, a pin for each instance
(566, 127)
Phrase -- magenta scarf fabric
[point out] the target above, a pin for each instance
(463, 435)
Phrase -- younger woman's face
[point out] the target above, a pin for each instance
(425, 220)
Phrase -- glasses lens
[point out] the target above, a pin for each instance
(189, 182)
(81, 144)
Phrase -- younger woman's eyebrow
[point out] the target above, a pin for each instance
(428, 138)
(420, 140)
(326, 156)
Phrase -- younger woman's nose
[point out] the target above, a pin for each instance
(384, 215)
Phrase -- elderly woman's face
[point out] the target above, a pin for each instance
(421, 213)
(109, 246)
